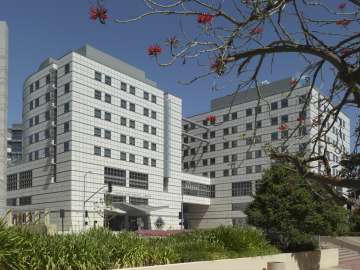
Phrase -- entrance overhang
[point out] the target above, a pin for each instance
(137, 210)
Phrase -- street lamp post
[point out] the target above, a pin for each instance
(84, 198)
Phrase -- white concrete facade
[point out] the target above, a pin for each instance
(90, 119)
(233, 153)
(3, 111)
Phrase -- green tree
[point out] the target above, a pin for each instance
(288, 207)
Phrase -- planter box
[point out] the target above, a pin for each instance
(311, 260)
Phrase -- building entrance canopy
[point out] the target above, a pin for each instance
(135, 210)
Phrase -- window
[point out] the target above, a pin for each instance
(31, 88)
(212, 147)
(25, 179)
(114, 176)
(107, 152)
(123, 156)
(248, 112)
(225, 117)
(66, 107)
(146, 111)
(274, 136)
(131, 140)
(212, 174)
(47, 115)
(146, 144)
(249, 155)
(123, 86)
(66, 88)
(132, 90)
(234, 171)
(226, 172)
(146, 95)
(234, 157)
(66, 127)
(153, 115)
(274, 121)
(249, 141)
(31, 105)
(234, 144)
(234, 130)
(36, 137)
(138, 180)
(46, 152)
(98, 76)
(37, 102)
(205, 135)
(47, 97)
(36, 120)
(11, 182)
(132, 158)
(153, 146)
(186, 165)
(197, 189)
(67, 69)
(226, 131)
(107, 116)
(257, 168)
(131, 123)
(248, 126)
(153, 162)
(242, 189)
(31, 122)
(37, 85)
(146, 128)
(239, 206)
(11, 202)
(258, 153)
(138, 201)
(166, 184)
(108, 98)
(226, 159)
(258, 124)
(284, 134)
(234, 116)
(47, 133)
(205, 149)
(212, 161)
(132, 107)
(284, 118)
(97, 151)
(30, 139)
(153, 99)
(66, 146)
(97, 94)
(123, 104)
(205, 162)
(258, 139)
(145, 160)
(123, 121)
(302, 99)
(25, 200)
(284, 103)
(30, 157)
(153, 130)
(123, 138)
(274, 106)
(212, 134)
(226, 145)
(107, 134)
(107, 80)
(192, 151)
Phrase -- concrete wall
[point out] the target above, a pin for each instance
(3, 111)
(293, 261)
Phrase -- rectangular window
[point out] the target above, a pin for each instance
(107, 134)
(97, 76)
(153, 130)
(284, 103)
(47, 97)
(212, 174)
(47, 115)
(284, 118)
(242, 189)
(107, 80)
(225, 159)
(249, 141)
(146, 95)
(97, 151)
(274, 121)
(97, 113)
(258, 139)
(212, 148)
(11, 202)
(66, 88)
(107, 152)
(166, 184)
(67, 69)
(225, 131)
(212, 161)
(66, 107)
(132, 107)
(107, 116)
(146, 161)
(274, 136)
(131, 140)
(212, 134)
(302, 99)
(234, 130)
(37, 85)
(123, 156)
(11, 182)
(153, 146)
(131, 123)
(123, 121)
(132, 158)
(226, 172)
(36, 120)
(153, 99)
(274, 105)
(284, 134)
(225, 117)
(226, 145)
(258, 153)
(25, 200)
(97, 94)
(123, 138)
(234, 157)
(146, 112)
(123, 86)
(66, 146)
(37, 102)
(108, 98)
(36, 137)
(123, 104)
(234, 116)
(132, 90)
(248, 126)
(138, 180)
(249, 155)
(234, 144)
(153, 114)
(257, 168)
(153, 162)
(31, 88)
(66, 127)
(234, 171)
(258, 124)
(114, 176)
(138, 201)
(248, 112)
(258, 109)
(25, 179)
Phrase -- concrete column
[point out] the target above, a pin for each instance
(3, 113)
(47, 216)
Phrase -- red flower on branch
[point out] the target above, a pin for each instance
(205, 18)
(343, 22)
(154, 50)
(257, 31)
(99, 13)
(211, 118)
(283, 127)
(341, 6)
(218, 66)
(301, 120)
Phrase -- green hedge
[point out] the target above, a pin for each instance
(102, 249)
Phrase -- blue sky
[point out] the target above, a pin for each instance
(43, 28)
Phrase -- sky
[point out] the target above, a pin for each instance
(51, 28)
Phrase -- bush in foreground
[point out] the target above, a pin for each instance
(101, 249)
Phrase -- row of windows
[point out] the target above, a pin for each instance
(197, 189)
(124, 104)
(25, 180)
(123, 86)
(22, 201)
(123, 156)
(118, 177)
(36, 119)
